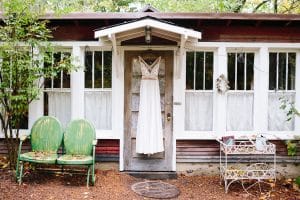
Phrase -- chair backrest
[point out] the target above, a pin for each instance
(46, 134)
(78, 137)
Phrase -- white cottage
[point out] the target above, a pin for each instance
(259, 55)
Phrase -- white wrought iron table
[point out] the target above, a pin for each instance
(242, 161)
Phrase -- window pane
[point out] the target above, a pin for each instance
(199, 70)
(66, 75)
(189, 70)
(56, 80)
(47, 64)
(88, 69)
(291, 73)
(231, 69)
(250, 66)
(24, 122)
(272, 70)
(46, 104)
(282, 71)
(107, 69)
(240, 71)
(98, 69)
(209, 63)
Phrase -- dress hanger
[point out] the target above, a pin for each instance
(149, 56)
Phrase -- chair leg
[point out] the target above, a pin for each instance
(88, 177)
(21, 173)
(93, 174)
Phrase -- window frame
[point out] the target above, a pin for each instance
(208, 133)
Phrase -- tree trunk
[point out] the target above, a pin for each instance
(275, 4)
(10, 141)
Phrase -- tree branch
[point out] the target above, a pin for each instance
(260, 5)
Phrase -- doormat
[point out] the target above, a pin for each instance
(155, 189)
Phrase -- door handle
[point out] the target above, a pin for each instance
(169, 117)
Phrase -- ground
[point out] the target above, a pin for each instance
(111, 184)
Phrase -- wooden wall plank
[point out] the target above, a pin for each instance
(194, 151)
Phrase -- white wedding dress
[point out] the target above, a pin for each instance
(149, 136)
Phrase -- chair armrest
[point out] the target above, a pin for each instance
(95, 142)
(24, 137)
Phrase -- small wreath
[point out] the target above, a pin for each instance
(222, 84)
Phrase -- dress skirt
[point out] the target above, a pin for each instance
(149, 137)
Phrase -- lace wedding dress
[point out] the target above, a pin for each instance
(149, 136)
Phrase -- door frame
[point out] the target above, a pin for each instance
(119, 59)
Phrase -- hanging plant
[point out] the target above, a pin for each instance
(222, 84)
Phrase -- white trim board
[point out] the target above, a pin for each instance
(151, 23)
(245, 45)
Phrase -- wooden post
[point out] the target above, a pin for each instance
(219, 125)
(297, 88)
(261, 82)
(77, 85)
(36, 107)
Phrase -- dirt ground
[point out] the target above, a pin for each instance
(111, 184)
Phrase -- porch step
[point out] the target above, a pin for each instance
(152, 175)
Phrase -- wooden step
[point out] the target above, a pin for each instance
(152, 175)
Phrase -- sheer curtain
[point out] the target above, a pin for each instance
(59, 103)
(198, 111)
(98, 109)
(240, 111)
(276, 116)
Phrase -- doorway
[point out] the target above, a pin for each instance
(132, 78)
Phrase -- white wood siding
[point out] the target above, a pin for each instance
(219, 109)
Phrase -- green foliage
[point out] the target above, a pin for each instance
(291, 147)
(264, 6)
(289, 107)
(291, 112)
(24, 44)
(297, 181)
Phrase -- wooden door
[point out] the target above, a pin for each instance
(160, 161)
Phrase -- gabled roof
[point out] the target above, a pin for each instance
(178, 15)
(160, 28)
(148, 8)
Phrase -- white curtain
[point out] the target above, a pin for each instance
(59, 105)
(98, 111)
(240, 111)
(276, 116)
(198, 111)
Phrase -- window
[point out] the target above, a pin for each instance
(282, 66)
(57, 94)
(199, 91)
(282, 71)
(98, 83)
(98, 69)
(240, 69)
(62, 80)
(199, 70)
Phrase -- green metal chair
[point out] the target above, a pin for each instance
(79, 145)
(46, 137)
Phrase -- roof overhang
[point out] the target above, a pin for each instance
(159, 28)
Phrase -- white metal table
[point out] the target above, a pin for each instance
(259, 169)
